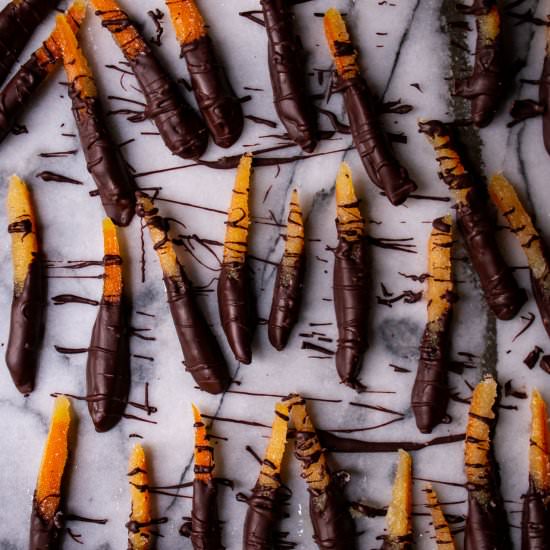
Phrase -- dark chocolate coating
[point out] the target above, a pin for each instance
(108, 366)
(501, 290)
(350, 291)
(544, 100)
(181, 129)
(535, 520)
(205, 531)
(484, 88)
(285, 307)
(43, 535)
(215, 97)
(486, 526)
(18, 21)
(115, 186)
(202, 354)
(541, 292)
(287, 72)
(235, 303)
(27, 328)
(430, 393)
(261, 518)
(17, 93)
(372, 143)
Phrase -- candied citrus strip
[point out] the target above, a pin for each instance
(159, 236)
(440, 284)
(56, 451)
(443, 536)
(340, 46)
(22, 227)
(478, 433)
(187, 20)
(112, 283)
(238, 218)
(204, 453)
(125, 34)
(489, 25)
(294, 245)
(273, 457)
(76, 65)
(51, 48)
(539, 444)
(398, 518)
(312, 456)
(348, 216)
(140, 536)
(507, 201)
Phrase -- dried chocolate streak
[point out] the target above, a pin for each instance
(216, 99)
(108, 366)
(285, 307)
(18, 21)
(286, 69)
(115, 186)
(501, 291)
(397, 543)
(535, 520)
(44, 535)
(27, 328)
(430, 393)
(235, 302)
(264, 510)
(484, 88)
(371, 142)
(350, 290)
(202, 354)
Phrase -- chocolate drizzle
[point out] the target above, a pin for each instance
(26, 328)
(103, 162)
(108, 366)
(535, 520)
(235, 302)
(216, 99)
(18, 21)
(264, 510)
(371, 141)
(350, 290)
(44, 535)
(286, 69)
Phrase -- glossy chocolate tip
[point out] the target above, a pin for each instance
(402, 194)
(509, 308)
(308, 145)
(123, 213)
(348, 362)
(278, 337)
(25, 388)
(103, 422)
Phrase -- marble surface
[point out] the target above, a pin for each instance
(402, 43)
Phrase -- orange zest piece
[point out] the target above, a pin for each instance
(340, 46)
(399, 515)
(125, 34)
(440, 283)
(76, 65)
(112, 283)
(294, 245)
(47, 494)
(140, 535)
(204, 453)
(238, 219)
(539, 445)
(186, 20)
(443, 536)
(22, 227)
(350, 222)
(507, 201)
(51, 48)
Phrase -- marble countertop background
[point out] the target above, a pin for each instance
(406, 55)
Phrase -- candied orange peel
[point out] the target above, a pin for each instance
(238, 219)
(22, 226)
(54, 459)
(489, 25)
(294, 245)
(140, 535)
(112, 283)
(399, 515)
(204, 453)
(349, 220)
(187, 20)
(443, 536)
(340, 46)
(539, 445)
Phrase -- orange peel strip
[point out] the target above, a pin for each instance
(539, 445)
(338, 39)
(399, 515)
(204, 453)
(294, 245)
(187, 20)
(443, 536)
(238, 219)
(349, 220)
(140, 515)
(112, 283)
(47, 494)
(488, 25)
